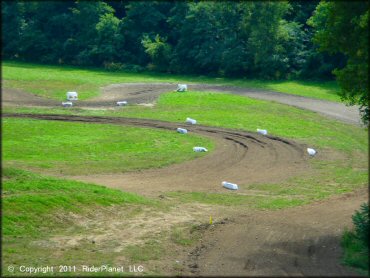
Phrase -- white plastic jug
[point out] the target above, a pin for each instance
(72, 96)
(67, 104)
(182, 130)
(230, 185)
(200, 149)
(191, 121)
(262, 131)
(121, 103)
(311, 152)
(182, 87)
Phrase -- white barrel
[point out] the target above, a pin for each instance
(182, 87)
(182, 130)
(262, 131)
(72, 96)
(311, 151)
(191, 121)
(67, 104)
(200, 149)
(230, 185)
(121, 103)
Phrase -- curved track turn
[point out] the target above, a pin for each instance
(240, 157)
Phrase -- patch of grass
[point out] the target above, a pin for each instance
(333, 178)
(54, 81)
(34, 204)
(239, 112)
(347, 170)
(184, 235)
(79, 148)
(150, 250)
(36, 208)
(356, 254)
(230, 199)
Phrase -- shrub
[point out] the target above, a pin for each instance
(356, 243)
(361, 221)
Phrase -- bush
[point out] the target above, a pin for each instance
(113, 66)
(361, 221)
(356, 243)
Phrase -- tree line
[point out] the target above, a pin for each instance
(252, 39)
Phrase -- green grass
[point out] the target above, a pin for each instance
(33, 204)
(55, 81)
(356, 254)
(37, 208)
(150, 250)
(230, 199)
(334, 178)
(185, 236)
(79, 148)
(237, 112)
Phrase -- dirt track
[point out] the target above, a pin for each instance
(302, 241)
(240, 157)
(297, 241)
(147, 93)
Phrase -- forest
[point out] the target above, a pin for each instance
(243, 39)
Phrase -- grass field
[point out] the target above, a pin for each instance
(54, 81)
(348, 141)
(38, 208)
(77, 148)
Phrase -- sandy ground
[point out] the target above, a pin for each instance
(289, 242)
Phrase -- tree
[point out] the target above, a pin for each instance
(11, 22)
(142, 18)
(158, 50)
(343, 27)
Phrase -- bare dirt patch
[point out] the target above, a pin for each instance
(302, 241)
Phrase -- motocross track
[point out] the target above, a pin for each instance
(240, 157)
(147, 93)
(289, 242)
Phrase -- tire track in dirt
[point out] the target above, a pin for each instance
(301, 241)
(241, 157)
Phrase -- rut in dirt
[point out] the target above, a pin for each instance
(239, 157)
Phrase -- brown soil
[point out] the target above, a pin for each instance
(239, 157)
(302, 241)
(289, 242)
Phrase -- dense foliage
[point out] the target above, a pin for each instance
(343, 27)
(252, 39)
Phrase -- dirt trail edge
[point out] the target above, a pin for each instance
(240, 157)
